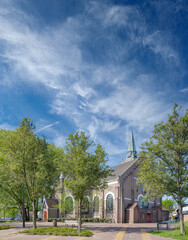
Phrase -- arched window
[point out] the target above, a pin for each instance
(96, 204)
(140, 202)
(68, 204)
(85, 205)
(109, 203)
(146, 203)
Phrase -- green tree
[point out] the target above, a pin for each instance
(84, 167)
(164, 160)
(8, 206)
(10, 186)
(66, 204)
(31, 161)
(168, 204)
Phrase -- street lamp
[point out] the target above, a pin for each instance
(23, 209)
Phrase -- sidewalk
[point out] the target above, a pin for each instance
(102, 231)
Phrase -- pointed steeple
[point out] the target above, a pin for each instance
(131, 153)
(61, 176)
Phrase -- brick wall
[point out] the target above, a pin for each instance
(53, 213)
(165, 215)
(185, 217)
(143, 216)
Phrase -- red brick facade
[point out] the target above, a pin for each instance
(125, 193)
(123, 199)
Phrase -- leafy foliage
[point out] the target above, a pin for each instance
(164, 159)
(27, 159)
(84, 167)
(168, 204)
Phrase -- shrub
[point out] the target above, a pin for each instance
(3, 227)
(57, 231)
(96, 220)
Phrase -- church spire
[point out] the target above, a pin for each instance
(131, 153)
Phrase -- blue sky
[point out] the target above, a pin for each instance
(104, 67)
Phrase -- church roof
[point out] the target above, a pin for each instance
(51, 203)
(131, 159)
(121, 169)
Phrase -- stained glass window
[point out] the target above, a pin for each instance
(96, 204)
(69, 204)
(146, 203)
(140, 202)
(85, 205)
(109, 203)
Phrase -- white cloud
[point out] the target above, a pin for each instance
(158, 43)
(83, 91)
(118, 15)
(184, 90)
(140, 109)
(87, 93)
(7, 126)
(58, 140)
(45, 56)
(109, 126)
(98, 125)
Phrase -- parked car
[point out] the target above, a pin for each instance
(175, 214)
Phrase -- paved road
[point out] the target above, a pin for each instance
(102, 231)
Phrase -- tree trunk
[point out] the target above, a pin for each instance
(27, 213)
(181, 219)
(4, 213)
(36, 210)
(21, 210)
(34, 215)
(79, 216)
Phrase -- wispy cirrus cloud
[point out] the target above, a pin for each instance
(85, 92)
(132, 105)
(90, 67)
(98, 125)
(39, 56)
(158, 42)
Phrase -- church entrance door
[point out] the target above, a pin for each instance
(148, 217)
(45, 216)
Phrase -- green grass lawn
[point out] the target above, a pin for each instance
(173, 233)
(3, 227)
(57, 231)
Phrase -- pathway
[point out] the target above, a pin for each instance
(102, 231)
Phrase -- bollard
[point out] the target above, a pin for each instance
(54, 223)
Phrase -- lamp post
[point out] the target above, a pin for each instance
(23, 208)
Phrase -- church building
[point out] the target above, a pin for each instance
(122, 200)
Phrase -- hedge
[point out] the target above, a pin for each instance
(96, 220)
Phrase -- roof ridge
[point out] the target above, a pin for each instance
(120, 169)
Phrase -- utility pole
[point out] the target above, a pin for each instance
(23, 209)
